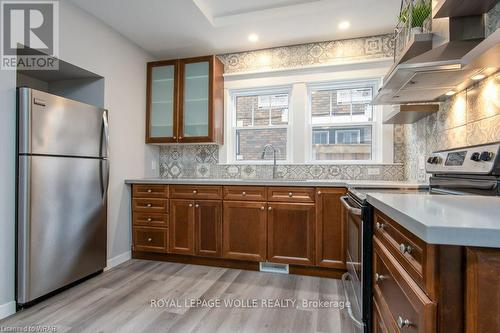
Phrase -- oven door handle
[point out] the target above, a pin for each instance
(352, 210)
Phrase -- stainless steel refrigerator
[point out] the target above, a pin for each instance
(62, 182)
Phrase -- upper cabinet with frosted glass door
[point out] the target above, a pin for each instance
(185, 101)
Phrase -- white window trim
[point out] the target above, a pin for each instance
(231, 121)
(376, 122)
(298, 82)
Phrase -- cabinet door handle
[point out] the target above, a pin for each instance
(190, 205)
(403, 322)
(197, 206)
(405, 248)
(150, 219)
(290, 194)
(150, 190)
(380, 226)
(149, 205)
(174, 137)
(194, 191)
(319, 192)
(269, 208)
(180, 138)
(262, 208)
(243, 193)
(379, 277)
(150, 240)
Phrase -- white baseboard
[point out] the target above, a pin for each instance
(7, 309)
(119, 259)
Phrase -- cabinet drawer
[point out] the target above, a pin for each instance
(416, 256)
(409, 307)
(153, 205)
(150, 191)
(150, 220)
(196, 192)
(245, 193)
(150, 239)
(291, 194)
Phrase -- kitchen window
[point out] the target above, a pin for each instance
(342, 122)
(260, 118)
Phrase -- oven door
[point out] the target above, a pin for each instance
(354, 259)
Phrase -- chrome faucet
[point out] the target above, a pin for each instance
(275, 152)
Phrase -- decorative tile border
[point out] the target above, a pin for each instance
(331, 52)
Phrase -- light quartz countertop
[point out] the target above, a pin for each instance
(466, 220)
(281, 182)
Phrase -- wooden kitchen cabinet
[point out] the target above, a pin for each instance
(181, 226)
(195, 227)
(331, 228)
(208, 228)
(185, 101)
(290, 237)
(244, 230)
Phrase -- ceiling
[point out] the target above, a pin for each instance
(183, 28)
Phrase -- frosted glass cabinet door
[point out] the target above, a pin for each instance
(196, 111)
(162, 102)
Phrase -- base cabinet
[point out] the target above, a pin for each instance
(245, 230)
(181, 226)
(331, 228)
(208, 228)
(291, 233)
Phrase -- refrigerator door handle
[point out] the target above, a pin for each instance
(106, 142)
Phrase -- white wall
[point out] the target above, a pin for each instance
(90, 44)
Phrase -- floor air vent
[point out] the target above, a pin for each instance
(274, 268)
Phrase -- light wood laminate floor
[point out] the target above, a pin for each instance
(119, 300)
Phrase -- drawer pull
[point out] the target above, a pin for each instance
(380, 226)
(194, 191)
(150, 190)
(243, 193)
(319, 192)
(150, 219)
(262, 208)
(403, 322)
(380, 277)
(190, 205)
(149, 205)
(150, 240)
(196, 206)
(405, 248)
(290, 194)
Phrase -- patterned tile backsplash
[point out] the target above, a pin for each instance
(470, 117)
(201, 161)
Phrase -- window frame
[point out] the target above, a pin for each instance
(232, 142)
(375, 122)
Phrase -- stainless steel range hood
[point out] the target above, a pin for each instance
(446, 67)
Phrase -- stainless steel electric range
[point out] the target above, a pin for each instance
(473, 170)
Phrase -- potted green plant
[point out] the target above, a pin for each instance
(420, 12)
(416, 14)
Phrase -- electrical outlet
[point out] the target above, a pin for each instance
(421, 162)
(373, 171)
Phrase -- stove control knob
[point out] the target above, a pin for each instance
(476, 157)
(429, 160)
(486, 156)
(436, 160)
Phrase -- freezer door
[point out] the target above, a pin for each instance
(53, 125)
(61, 222)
